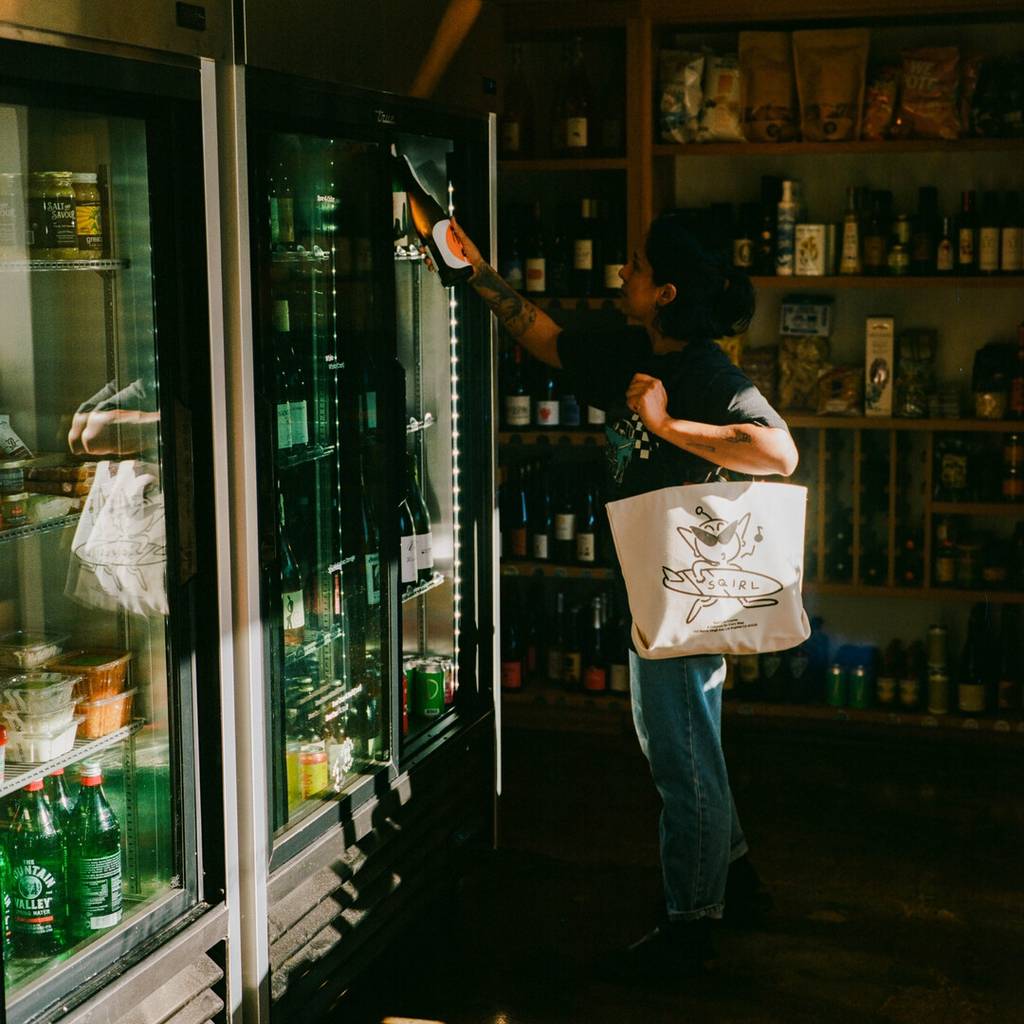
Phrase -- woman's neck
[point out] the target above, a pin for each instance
(661, 344)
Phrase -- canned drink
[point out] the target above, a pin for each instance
(938, 693)
(428, 690)
(836, 687)
(314, 773)
(860, 688)
(451, 683)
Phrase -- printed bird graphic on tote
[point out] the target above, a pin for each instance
(715, 573)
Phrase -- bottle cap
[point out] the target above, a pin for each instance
(56, 771)
(91, 773)
(34, 786)
(3, 735)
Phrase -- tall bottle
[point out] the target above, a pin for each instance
(971, 685)
(512, 660)
(370, 540)
(586, 529)
(94, 858)
(565, 526)
(434, 226)
(294, 384)
(5, 895)
(546, 408)
(923, 231)
(535, 256)
(595, 668)
(764, 243)
(38, 878)
(988, 235)
(850, 259)
(967, 235)
(945, 249)
(541, 520)
(876, 235)
(575, 107)
(614, 253)
(517, 393)
(408, 573)
(788, 211)
(515, 531)
(618, 654)
(585, 257)
(421, 521)
(1011, 238)
(516, 127)
(555, 651)
(572, 655)
(57, 795)
(1008, 692)
(292, 585)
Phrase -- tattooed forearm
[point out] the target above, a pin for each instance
(740, 437)
(697, 446)
(516, 314)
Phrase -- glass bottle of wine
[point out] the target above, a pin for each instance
(292, 585)
(421, 522)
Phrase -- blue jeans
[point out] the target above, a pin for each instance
(677, 711)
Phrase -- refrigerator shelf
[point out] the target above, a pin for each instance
(313, 259)
(409, 256)
(420, 589)
(414, 425)
(295, 654)
(314, 453)
(34, 529)
(12, 265)
(18, 774)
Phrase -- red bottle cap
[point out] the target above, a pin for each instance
(91, 773)
(56, 771)
(3, 735)
(34, 785)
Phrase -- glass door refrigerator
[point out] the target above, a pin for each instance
(374, 447)
(106, 600)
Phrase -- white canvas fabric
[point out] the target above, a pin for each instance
(713, 568)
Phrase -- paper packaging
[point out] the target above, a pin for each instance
(811, 250)
(806, 317)
(878, 366)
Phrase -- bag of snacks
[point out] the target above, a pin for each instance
(720, 116)
(841, 391)
(769, 97)
(681, 75)
(970, 73)
(880, 102)
(801, 361)
(928, 100)
(830, 67)
(761, 365)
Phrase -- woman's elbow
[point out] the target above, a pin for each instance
(788, 458)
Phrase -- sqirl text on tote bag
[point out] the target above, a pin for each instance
(713, 568)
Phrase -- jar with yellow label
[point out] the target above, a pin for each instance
(88, 216)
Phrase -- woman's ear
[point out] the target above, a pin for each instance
(666, 294)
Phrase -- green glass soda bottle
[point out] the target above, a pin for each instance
(94, 858)
(5, 893)
(56, 790)
(38, 882)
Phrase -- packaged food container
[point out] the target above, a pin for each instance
(37, 693)
(26, 648)
(36, 747)
(102, 672)
(36, 722)
(105, 716)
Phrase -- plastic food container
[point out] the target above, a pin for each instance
(105, 716)
(26, 648)
(35, 722)
(36, 747)
(102, 672)
(37, 693)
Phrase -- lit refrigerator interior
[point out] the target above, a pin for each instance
(91, 690)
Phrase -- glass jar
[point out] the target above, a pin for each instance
(51, 206)
(88, 216)
(12, 217)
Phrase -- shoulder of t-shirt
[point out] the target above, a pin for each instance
(730, 394)
(587, 342)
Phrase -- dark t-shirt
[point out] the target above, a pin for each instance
(702, 386)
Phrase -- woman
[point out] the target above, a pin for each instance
(678, 409)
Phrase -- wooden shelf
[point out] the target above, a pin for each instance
(863, 590)
(597, 163)
(808, 421)
(889, 147)
(979, 508)
(581, 436)
(888, 283)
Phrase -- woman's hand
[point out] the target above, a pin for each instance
(646, 396)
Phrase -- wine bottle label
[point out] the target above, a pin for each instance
(585, 547)
(373, 578)
(988, 249)
(95, 890)
(293, 610)
(576, 133)
(569, 411)
(282, 316)
(966, 246)
(536, 274)
(540, 546)
(612, 281)
(970, 697)
(742, 253)
(554, 663)
(944, 256)
(448, 245)
(953, 471)
(618, 678)
(595, 417)
(1011, 258)
(572, 667)
(565, 526)
(400, 218)
(517, 541)
(510, 136)
(297, 417)
(408, 559)
(547, 413)
(424, 551)
(513, 275)
(595, 679)
(849, 262)
(517, 410)
(583, 254)
(284, 425)
(511, 675)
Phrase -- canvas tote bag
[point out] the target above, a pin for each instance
(713, 568)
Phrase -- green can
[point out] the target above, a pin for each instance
(860, 688)
(428, 689)
(836, 687)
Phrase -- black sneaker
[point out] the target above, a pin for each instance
(674, 951)
(747, 900)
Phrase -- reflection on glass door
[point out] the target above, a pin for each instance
(87, 840)
(324, 591)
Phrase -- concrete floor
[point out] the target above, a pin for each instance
(897, 871)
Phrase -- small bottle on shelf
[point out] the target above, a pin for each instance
(535, 256)
(516, 128)
(576, 105)
(850, 254)
(988, 235)
(787, 214)
(1011, 238)
(945, 249)
(967, 235)
(595, 668)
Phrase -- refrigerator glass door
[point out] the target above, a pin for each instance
(428, 349)
(319, 259)
(86, 674)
